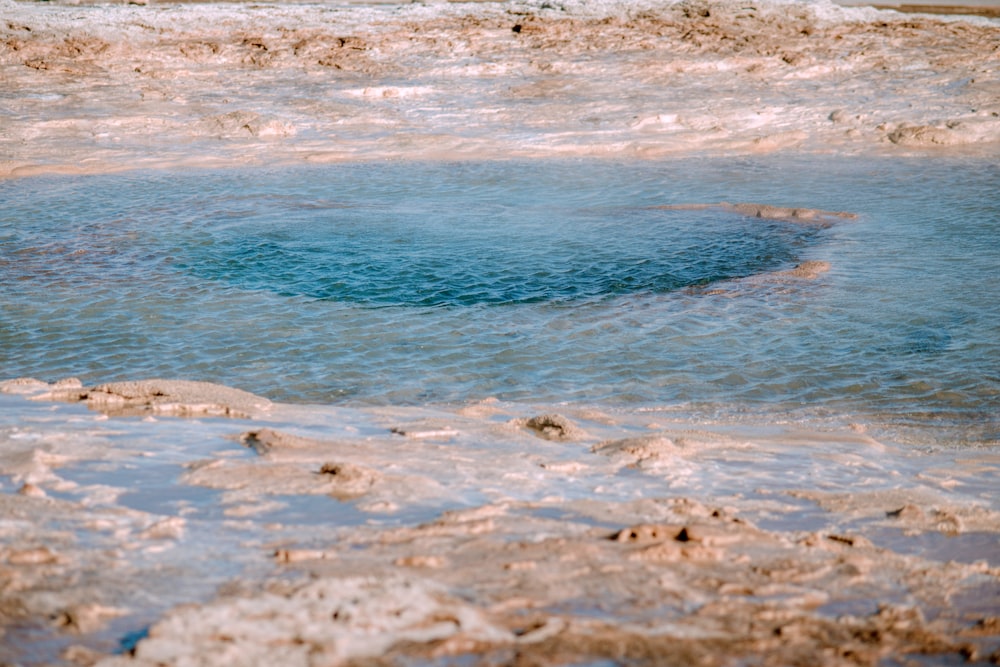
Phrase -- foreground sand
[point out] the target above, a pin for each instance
(316, 536)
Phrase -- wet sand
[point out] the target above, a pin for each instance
(103, 88)
(991, 11)
(303, 535)
(988, 8)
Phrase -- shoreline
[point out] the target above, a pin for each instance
(985, 8)
(968, 10)
(12, 171)
(608, 535)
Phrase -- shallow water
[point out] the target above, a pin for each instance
(413, 283)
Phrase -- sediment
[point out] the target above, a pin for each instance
(488, 534)
(114, 87)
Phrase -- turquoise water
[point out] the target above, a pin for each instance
(548, 281)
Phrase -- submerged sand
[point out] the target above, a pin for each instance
(100, 88)
(487, 533)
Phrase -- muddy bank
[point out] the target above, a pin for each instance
(100, 88)
(489, 532)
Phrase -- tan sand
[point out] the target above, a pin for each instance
(91, 89)
(705, 588)
(573, 535)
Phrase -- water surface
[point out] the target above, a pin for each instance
(414, 283)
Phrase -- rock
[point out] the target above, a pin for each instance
(87, 617)
(808, 270)
(31, 491)
(552, 427)
(644, 533)
(908, 512)
(348, 480)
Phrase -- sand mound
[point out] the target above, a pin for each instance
(552, 427)
(183, 398)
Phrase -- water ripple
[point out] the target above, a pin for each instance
(411, 283)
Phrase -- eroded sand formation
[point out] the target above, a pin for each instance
(391, 535)
(111, 87)
(179, 398)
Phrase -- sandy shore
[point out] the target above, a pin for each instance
(100, 88)
(305, 535)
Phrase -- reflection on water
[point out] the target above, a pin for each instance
(545, 280)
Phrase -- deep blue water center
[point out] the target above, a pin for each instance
(422, 249)
(548, 280)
